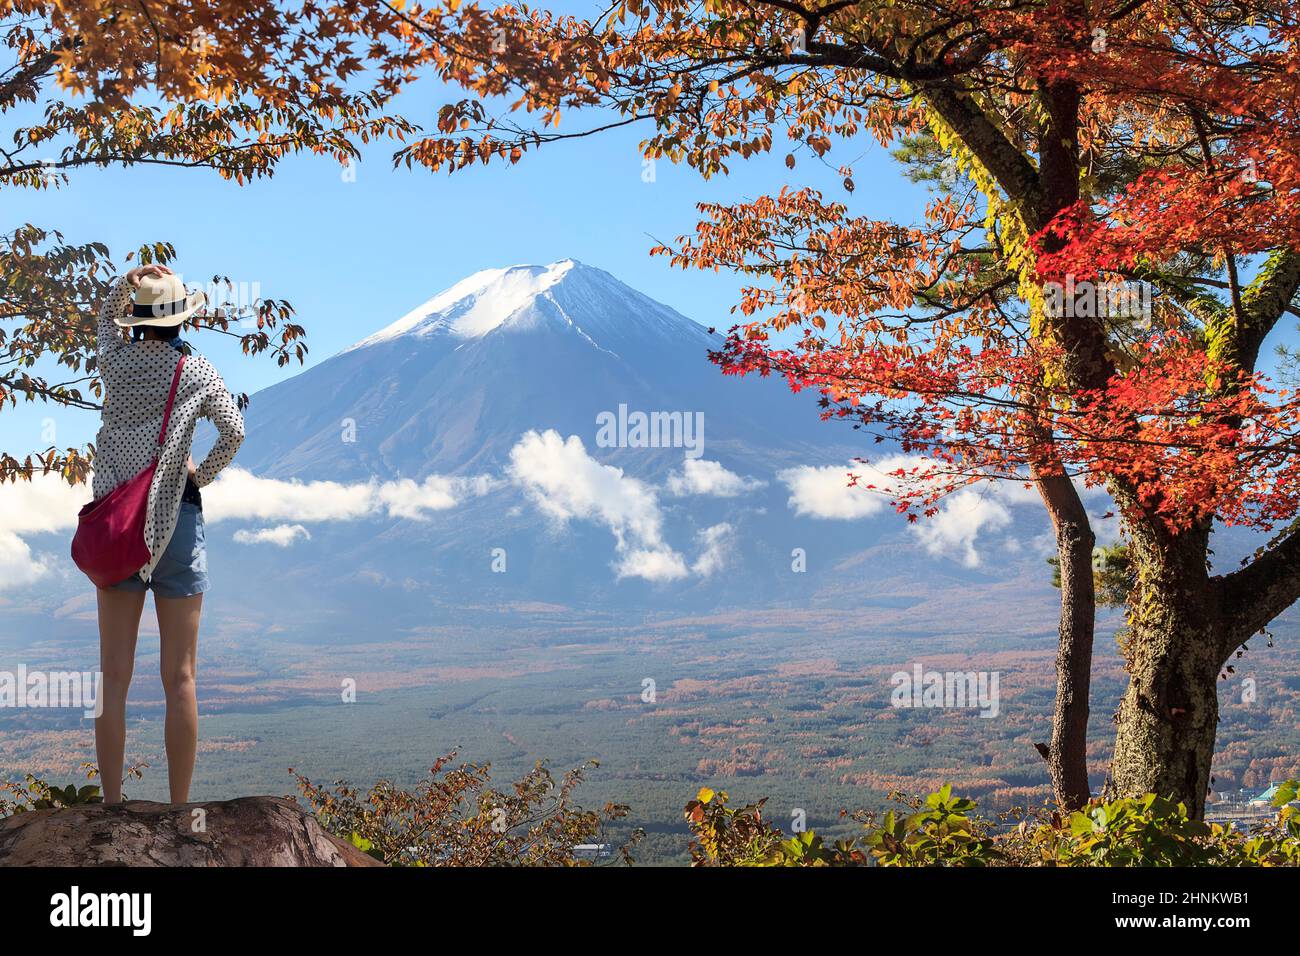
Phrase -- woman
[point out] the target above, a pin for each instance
(137, 377)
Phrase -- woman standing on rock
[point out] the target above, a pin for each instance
(144, 379)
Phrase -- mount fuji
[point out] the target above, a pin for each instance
(465, 440)
(450, 387)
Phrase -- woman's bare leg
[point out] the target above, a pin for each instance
(178, 628)
(119, 625)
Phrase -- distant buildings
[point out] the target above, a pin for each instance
(1265, 799)
(1245, 797)
(1238, 807)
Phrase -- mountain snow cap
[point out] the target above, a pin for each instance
(564, 294)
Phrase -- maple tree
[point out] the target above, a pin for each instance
(233, 87)
(1072, 145)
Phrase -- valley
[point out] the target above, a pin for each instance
(795, 710)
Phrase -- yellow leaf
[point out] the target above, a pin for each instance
(705, 795)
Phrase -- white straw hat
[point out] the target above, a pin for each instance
(162, 300)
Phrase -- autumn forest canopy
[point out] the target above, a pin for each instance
(1071, 148)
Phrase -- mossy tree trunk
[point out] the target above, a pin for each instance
(1176, 648)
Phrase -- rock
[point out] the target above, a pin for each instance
(249, 831)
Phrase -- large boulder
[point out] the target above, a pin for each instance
(249, 831)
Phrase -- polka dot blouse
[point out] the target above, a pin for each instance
(137, 377)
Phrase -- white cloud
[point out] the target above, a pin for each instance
(717, 544)
(18, 566)
(702, 477)
(953, 532)
(240, 494)
(565, 482)
(45, 504)
(962, 517)
(406, 499)
(824, 492)
(282, 535)
(658, 564)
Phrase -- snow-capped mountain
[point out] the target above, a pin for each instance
(482, 452)
(451, 386)
(572, 296)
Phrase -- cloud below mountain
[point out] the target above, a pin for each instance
(43, 505)
(565, 482)
(960, 521)
(702, 477)
(716, 542)
(282, 535)
(47, 504)
(556, 474)
(18, 566)
(824, 492)
(239, 494)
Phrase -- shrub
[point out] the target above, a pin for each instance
(938, 833)
(455, 818)
(941, 831)
(36, 794)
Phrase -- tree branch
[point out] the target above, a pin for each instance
(1265, 301)
(1009, 167)
(1259, 592)
(13, 87)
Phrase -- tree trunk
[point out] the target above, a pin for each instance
(1067, 755)
(1166, 724)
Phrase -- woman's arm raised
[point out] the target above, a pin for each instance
(108, 337)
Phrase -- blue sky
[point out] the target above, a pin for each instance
(355, 251)
(353, 256)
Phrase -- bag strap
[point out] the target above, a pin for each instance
(171, 397)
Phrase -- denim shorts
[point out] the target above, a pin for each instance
(182, 570)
